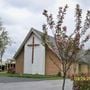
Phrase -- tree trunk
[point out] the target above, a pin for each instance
(64, 78)
(1, 61)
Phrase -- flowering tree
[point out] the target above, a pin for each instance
(67, 46)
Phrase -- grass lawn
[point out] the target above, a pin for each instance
(36, 76)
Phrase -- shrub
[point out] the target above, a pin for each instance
(81, 82)
(11, 70)
(81, 85)
(59, 74)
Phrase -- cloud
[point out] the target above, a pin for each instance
(85, 3)
(32, 5)
(14, 15)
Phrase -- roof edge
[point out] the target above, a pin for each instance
(23, 43)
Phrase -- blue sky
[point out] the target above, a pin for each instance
(19, 16)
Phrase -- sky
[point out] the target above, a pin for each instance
(18, 16)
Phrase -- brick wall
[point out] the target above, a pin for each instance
(52, 63)
(20, 62)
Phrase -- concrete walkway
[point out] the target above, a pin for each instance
(34, 85)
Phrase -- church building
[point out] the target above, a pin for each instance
(33, 57)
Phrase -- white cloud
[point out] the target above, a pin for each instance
(33, 5)
(14, 15)
(85, 4)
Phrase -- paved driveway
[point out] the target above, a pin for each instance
(29, 84)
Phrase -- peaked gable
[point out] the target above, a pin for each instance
(37, 33)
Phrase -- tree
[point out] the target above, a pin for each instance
(67, 46)
(4, 40)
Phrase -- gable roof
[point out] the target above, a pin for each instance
(37, 33)
(85, 59)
